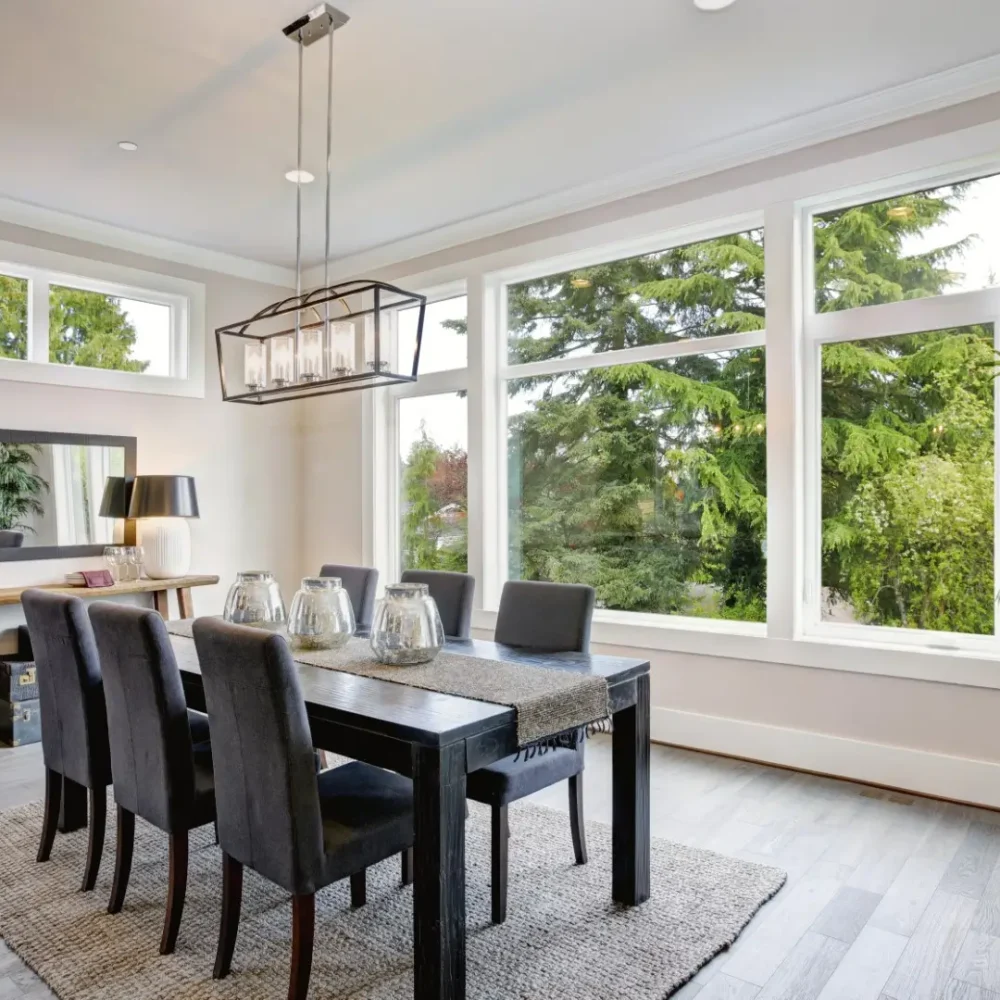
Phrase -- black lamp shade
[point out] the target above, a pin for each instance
(163, 496)
(117, 493)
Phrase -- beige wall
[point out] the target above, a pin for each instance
(868, 712)
(245, 459)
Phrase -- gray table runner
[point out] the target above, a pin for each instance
(548, 701)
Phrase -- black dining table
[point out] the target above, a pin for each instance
(438, 739)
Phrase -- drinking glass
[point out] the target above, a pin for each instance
(133, 562)
(114, 558)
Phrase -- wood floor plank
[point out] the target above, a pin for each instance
(978, 963)
(881, 866)
(957, 990)
(924, 969)
(805, 970)
(761, 950)
(987, 918)
(846, 914)
(724, 987)
(971, 868)
(906, 899)
(866, 967)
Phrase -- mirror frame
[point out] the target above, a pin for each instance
(27, 553)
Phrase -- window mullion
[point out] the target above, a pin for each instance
(38, 320)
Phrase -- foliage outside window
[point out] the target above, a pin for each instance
(907, 455)
(13, 317)
(434, 482)
(646, 480)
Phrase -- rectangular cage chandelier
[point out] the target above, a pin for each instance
(337, 338)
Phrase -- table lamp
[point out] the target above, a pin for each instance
(117, 494)
(162, 504)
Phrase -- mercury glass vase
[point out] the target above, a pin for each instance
(255, 599)
(321, 615)
(407, 627)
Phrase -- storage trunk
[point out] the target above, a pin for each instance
(20, 722)
(18, 680)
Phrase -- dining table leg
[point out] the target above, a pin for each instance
(630, 799)
(439, 872)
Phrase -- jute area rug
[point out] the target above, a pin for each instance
(564, 937)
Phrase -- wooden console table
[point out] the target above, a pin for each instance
(158, 588)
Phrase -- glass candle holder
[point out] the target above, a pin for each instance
(255, 599)
(255, 365)
(342, 349)
(407, 626)
(311, 354)
(283, 360)
(321, 615)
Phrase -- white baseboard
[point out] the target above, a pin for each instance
(959, 778)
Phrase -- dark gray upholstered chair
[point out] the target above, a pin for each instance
(360, 583)
(74, 718)
(301, 830)
(453, 594)
(161, 760)
(11, 539)
(547, 617)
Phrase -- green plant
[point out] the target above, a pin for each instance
(20, 486)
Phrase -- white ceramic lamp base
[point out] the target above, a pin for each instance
(166, 547)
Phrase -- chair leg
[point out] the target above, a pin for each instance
(501, 834)
(407, 865)
(53, 800)
(124, 844)
(359, 888)
(95, 841)
(303, 925)
(176, 892)
(232, 903)
(576, 818)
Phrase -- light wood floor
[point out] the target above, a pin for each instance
(889, 896)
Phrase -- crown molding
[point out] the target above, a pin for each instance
(930, 93)
(49, 220)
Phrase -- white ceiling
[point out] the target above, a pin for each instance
(445, 109)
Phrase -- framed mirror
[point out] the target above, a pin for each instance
(64, 495)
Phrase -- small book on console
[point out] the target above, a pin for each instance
(90, 578)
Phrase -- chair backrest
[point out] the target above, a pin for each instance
(360, 583)
(74, 718)
(266, 796)
(550, 617)
(452, 592)
(11, 539)
(151, 763)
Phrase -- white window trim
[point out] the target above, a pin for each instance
(43, 268)
(785, 203)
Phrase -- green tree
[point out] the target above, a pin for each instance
(20, 486)
(92, 330)
(434, 518)
(13, 317)
(648, 480)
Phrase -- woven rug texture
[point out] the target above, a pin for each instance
(564, 937)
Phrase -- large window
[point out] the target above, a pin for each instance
(643, 473)
(903, 332)
(75, 321)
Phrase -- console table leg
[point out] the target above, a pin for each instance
(184, 602)
(162, 603)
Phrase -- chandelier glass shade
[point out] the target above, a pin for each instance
(336, 338)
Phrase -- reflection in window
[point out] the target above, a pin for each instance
(701, 290)
(433, 478)
(13, 317)
(907, 467)
(94, 330)
(933, 242)
(646, 481)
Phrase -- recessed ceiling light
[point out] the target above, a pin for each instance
(713, 4)
(299, 177)
(128, 145)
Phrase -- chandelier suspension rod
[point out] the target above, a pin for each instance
(298, 201)
(329, 166)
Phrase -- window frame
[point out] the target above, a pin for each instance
(185, 300)
(387, 521)
(785, 199)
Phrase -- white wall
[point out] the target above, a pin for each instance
(245, 459)
(928, 736)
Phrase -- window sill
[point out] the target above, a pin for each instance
(14, 370)
(749, 641)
